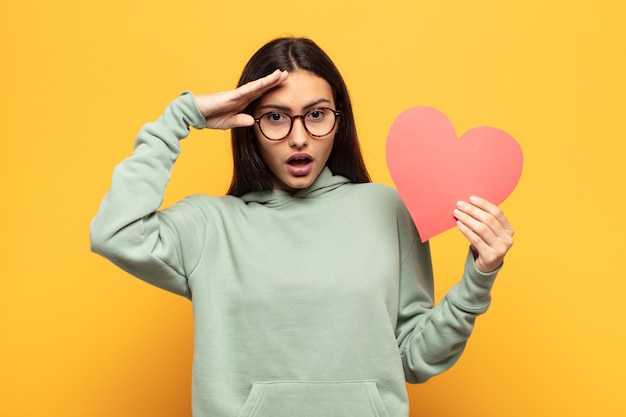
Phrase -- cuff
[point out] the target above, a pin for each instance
(473, 293)
(195, 117)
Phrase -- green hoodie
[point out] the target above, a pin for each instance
(314, 304)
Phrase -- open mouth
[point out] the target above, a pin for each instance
(300, 164)
(299, 161)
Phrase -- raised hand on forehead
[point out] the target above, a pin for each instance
(222, 110)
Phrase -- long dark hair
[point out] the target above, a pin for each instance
(250, 172)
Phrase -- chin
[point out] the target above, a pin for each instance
(294, 185)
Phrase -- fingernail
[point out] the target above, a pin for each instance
(461, 204)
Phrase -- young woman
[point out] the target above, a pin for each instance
(311, 290)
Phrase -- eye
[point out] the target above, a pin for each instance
(317, 115)
(275, 118)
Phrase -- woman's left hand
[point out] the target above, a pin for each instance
(488, 231)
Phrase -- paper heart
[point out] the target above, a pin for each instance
(432, 169)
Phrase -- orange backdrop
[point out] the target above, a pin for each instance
(79, 337)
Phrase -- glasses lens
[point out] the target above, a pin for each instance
(275, 125)
(320, 122)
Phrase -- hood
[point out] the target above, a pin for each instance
(324, 183)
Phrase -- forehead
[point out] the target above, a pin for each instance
(300, 90)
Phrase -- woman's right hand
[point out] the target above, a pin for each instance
(222, 110)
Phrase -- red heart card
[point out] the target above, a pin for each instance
(432, 169)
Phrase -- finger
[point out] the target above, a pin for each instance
(478, 222)
(487, 213)
(487, 256)
(255, 89)
(474, 216)
(476, 243)
(493, 210)
(489, 226)
(240, 120)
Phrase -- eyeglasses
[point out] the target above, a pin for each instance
(317, 122)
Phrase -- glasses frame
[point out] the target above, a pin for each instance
(302, 117)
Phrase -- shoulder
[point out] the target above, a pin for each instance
(199, 215)
(379, 198)
(200, 206)
(385, 199)
(378, 192)
(208, 202)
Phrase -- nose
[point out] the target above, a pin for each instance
(298, 137)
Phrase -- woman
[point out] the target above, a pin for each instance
(311, 290)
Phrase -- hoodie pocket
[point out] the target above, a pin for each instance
(314, 399)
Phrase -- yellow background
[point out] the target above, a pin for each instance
(78, 79)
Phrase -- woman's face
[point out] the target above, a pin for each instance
(296, 161)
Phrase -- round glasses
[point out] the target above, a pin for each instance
(317, 122)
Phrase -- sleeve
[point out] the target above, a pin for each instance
(432, 338)
(128, 229)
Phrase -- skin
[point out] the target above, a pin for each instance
(488, 231)
(483, 224)
(299, 93)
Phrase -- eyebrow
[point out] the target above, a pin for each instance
(286, 108)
